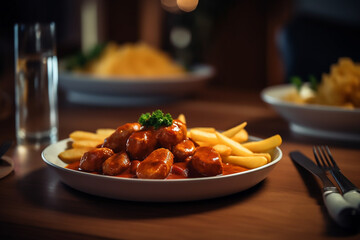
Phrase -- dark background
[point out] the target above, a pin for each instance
(252, 44)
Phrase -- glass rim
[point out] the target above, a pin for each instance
(28, 24)
(35, 25)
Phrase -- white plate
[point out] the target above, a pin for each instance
(132, 91)
(155, 190)
(314, 120)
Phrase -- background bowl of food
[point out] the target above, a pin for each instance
(129, 74)
(330, 109)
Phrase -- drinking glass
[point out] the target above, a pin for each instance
(36, 81)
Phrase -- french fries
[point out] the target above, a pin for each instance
(223, 150)
(237, 148)
(202, 136)
(246, 161)
(266, 155)
(232, 131)
(204, 144)
(264, 145)
(233, 145)
(182, 118)
(339, 87)
(73, 154)
(105, 132)
(86, 144)
(84, 141)
(132, 59)
(83, 135)
(241, 136)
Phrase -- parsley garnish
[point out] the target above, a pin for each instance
(313, 83)
(156, 119)
(298, 82)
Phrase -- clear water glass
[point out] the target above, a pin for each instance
(36, 83)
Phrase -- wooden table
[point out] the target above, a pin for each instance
(34, 204)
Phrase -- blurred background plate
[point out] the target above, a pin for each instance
(314, 120)
(132, 91)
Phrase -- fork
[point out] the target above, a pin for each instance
(325, 160)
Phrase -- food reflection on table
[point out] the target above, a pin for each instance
(160, 147)
(340, 87)
(130, 60)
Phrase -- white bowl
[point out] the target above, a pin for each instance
(132, 91)
(156, 190)
(314, 120)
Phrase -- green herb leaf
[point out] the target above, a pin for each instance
(144, 118)
(80, 59)
(297, 82)
(313, 83)
(156, 119)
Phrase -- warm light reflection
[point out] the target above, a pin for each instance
(20, 158)
(24, 160)
(187, 5)
(22, 152)
(175, 6)
(170, 6)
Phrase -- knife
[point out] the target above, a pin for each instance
(3, 149)
(339, 209)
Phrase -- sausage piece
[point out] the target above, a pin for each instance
(183, 150)
(133, 167)
(140, 144)
(207, 161)
(92, 160)
(116, 164)
(117, 140)
(172, 135)
(157, 165)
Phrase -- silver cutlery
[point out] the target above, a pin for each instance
(326, 161)
(4, 147)
(6, 164)
(339, 209)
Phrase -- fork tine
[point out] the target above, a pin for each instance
(331, 158)
(316, 157)
(321, 157)
(344, 183)
(328, 164)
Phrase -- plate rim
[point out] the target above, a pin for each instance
(279, 102)
(193, 75)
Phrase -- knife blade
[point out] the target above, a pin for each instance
(4, 147)
(338, 208)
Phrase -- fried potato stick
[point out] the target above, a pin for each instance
(232, 131)
(264, 145)
(237, 148)
(246, 161)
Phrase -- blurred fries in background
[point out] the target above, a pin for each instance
(340, 87)
(136, 59)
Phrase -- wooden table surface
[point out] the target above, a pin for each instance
(34, 204)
